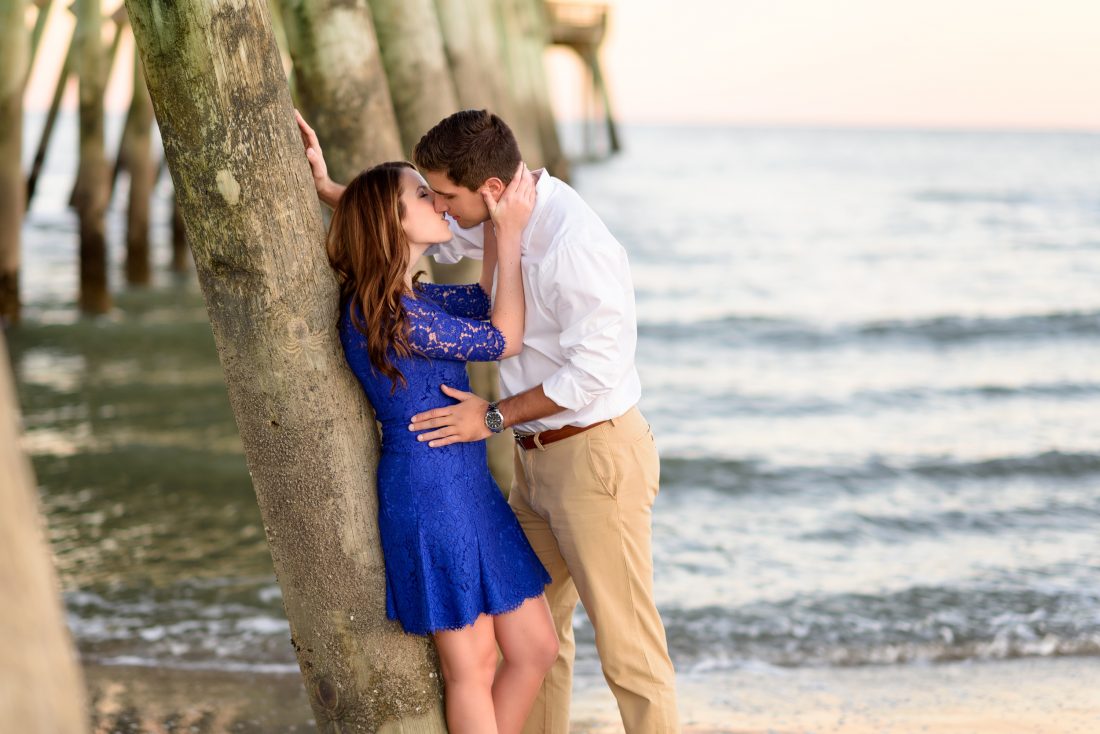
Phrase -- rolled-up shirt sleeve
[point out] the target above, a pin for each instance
(463, 243)
(591, 307)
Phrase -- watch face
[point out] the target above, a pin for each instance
(494, 420)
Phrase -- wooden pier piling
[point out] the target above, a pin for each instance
(582, 27)
(93, 176)
(44, 7)
(136, 147)
(341, 83)
(51, 118)
(120, 21)
(524, 123)
(420, 61)
(411, 43)
(14, 63)
(470, 70)
(181, 254)
(533, 41)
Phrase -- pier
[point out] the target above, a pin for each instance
(582, 27)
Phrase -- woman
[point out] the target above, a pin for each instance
(458, 566)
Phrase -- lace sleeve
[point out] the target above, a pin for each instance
(460, 300)
(440, 335)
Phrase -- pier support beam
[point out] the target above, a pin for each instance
(14, 62)
(420, 82)
(582, 27)
(308, 433)
(51, 119)
(341, 83)
(41, 688)
(93, 177)
(136, 150)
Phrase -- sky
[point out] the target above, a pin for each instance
(904, 63)
(868, 63)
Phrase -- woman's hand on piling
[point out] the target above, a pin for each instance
(511, 212)
(316, 159)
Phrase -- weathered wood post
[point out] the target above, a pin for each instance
(14, 61)
(484, 16)
(41, 689)
(582, 28)
(470, 70)
(255, 230)
(342, 87)
(533, 41)
(51, 119)
(39, 26)
(421, 89)
(93, 176)
(485, 28)
(509, 29)
(275, 12)
(136, 153)
(416, 66)
(119, 18)
(181, 255)
(591, 59)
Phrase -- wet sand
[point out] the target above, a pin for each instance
(1031, 696)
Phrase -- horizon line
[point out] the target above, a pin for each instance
(853, 125)
(782, 124)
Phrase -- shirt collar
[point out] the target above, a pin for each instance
(544, 186)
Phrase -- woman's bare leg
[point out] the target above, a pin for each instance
(468, 658)
(530, 646)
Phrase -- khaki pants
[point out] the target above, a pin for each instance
(585, 504)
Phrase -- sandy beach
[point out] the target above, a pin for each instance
(1028, 696)
(1047, 696)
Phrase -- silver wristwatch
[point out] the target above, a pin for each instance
(494, 421)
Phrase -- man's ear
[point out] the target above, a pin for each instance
(495, 186)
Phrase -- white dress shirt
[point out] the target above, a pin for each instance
(581, 329)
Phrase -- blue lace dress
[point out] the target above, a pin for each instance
(453, 549)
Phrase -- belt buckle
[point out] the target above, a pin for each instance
(534, 437)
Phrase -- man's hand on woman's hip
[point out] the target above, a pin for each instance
(459, 423)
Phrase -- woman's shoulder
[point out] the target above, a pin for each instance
(351, 305)
(419, 301)
(421, 292)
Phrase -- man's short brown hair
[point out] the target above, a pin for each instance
(471, 147)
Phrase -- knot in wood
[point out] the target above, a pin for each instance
(298, 328)
(328, 697)
(299, 337)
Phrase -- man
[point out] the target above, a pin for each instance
(587, 470)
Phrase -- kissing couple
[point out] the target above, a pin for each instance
(555, 305)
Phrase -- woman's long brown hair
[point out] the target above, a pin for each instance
(368, 249)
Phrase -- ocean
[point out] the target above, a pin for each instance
(871, 360)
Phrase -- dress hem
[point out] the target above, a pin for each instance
(505, 609)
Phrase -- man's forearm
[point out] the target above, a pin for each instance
(527, 406)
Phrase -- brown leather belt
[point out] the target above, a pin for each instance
(528, 442)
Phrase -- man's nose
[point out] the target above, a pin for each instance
(440, 204)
